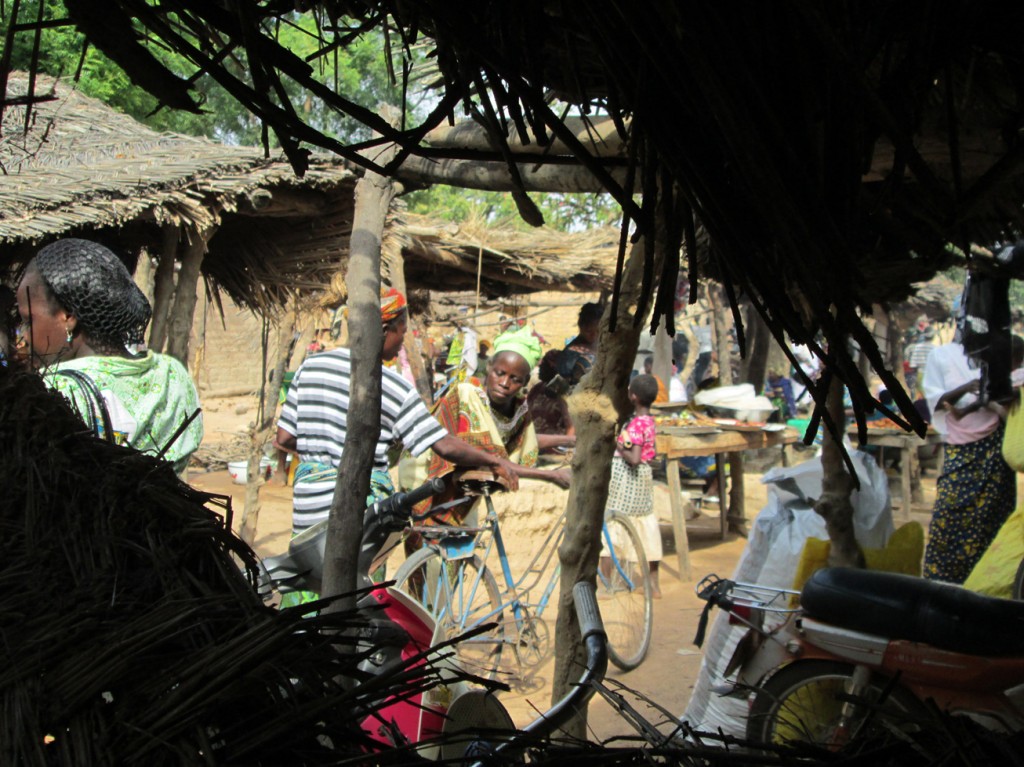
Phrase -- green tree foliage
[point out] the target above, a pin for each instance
(567, 212)
(358, 70)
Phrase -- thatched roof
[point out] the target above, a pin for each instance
(511, 260)
(82, 164)
(83, 168)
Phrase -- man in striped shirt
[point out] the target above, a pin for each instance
(315, 414)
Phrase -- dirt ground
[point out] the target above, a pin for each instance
(668, 673)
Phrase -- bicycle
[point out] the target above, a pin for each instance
(452, 581)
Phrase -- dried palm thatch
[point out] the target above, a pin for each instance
(130, 635)
(832, 150)
(73, 166)
(83, 168)
(509, 260)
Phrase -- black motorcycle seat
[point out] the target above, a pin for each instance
(905, 607)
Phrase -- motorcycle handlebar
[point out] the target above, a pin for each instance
(427, 490)
(587, 613)
(596, 643)
(301, 567)
(396, 508)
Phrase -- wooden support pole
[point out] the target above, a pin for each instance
(423, 375)
(183, 311)
(495, 176)
(723, 339)
(723, 494)
(596, 407)
(144, 274)
(754, 368)
(663, 354)
(732, 508)
(686, 366)
(373, 197)
(834, 504)
(737, 514)
(199, 354)
(163, 288)
(675, 500)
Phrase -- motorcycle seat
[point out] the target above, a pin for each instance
(942, 615)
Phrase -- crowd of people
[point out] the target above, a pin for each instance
(83, 322)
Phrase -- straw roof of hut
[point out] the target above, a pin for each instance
(85, 169)
(510, 260)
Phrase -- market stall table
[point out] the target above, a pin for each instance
(910, 468)
(675, 442)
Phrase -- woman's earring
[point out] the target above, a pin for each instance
(70, 336)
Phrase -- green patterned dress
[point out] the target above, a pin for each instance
(148, 399)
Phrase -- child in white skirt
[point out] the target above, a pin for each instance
(631, 491)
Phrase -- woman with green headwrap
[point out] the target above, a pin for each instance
(494, 417)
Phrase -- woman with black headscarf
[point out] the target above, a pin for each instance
(84, 320)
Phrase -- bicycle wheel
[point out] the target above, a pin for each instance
(625, 593)
(810, 701)
(460, 594)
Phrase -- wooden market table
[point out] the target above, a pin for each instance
(910, 468)
(673, 443)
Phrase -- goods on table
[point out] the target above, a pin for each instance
(685, 418)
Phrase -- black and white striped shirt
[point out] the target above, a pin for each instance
(316, 413)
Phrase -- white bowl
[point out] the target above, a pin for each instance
(238, 469)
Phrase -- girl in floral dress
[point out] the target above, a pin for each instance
(631, 490)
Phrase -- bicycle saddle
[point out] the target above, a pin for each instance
(480, 482)
(942, 615)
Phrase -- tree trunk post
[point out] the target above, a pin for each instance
(733, 508)
(723, 341)
(692, 349)
(163, 288)
(373, 196)
(183, 311)
(199, 354)
(423, 374)
(145, 273)
(597, 406)
(835, 505)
